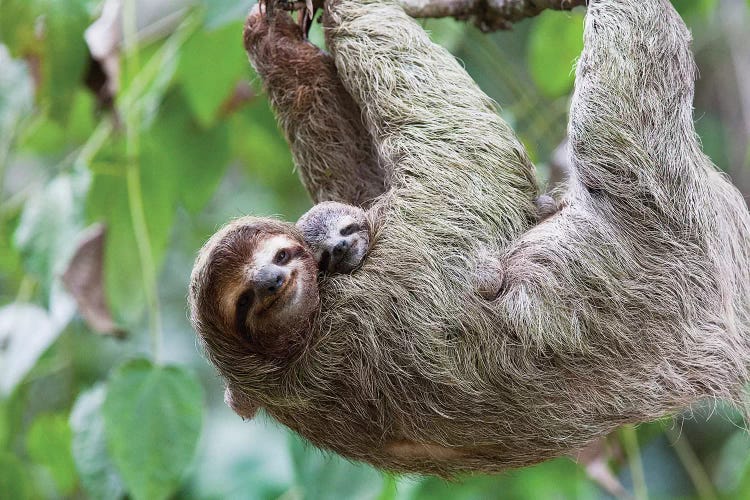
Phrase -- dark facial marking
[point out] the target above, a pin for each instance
(325, 261)
(350, 229)
(244, 303)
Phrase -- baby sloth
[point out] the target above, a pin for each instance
(337, 235)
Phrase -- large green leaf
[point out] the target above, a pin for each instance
(108, 203)
(152, 417)
(48, 444)
(65, 54)
(14, 478)
(194, 158)
(98, 474)
(556, 40)
(211, 65)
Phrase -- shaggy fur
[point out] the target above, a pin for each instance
(631, 302)
(313, 108)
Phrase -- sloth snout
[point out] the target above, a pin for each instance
(269, 280)
(340, 249)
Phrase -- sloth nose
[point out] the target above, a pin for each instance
(268, 280)
(340, 249)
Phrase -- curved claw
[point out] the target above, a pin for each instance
(305, 9)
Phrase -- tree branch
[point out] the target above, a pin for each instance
(487, 15)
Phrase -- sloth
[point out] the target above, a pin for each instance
(337, 235)
(475, 335)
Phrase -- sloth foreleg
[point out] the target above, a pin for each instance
(331, 147)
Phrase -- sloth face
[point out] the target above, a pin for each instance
(338, 236)
(275, 294)
(254, 290)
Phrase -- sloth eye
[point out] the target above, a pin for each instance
(350, 229)
(282, 257)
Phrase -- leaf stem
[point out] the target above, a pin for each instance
(633, 451)
(132, 121)
(693, 466)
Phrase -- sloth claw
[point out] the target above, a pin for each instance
(304, 8)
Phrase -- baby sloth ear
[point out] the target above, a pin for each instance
(241, 405)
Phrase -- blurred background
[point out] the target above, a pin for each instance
(129, 134)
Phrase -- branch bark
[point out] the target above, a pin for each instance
(487, 15)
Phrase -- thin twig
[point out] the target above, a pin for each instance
(135, 191)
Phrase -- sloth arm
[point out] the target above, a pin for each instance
(331, 147)
(650, 240)
(451, 158)
(633, 144)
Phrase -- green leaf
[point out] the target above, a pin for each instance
(17, 24)
(16, 99)
(152, 417)
(211, 65)
(26, 331)
(178, 148)
(48, 444)
(65, 54)
(50, 221)
(14, 478)
(555, 42)
(98, 474)
(108, 203)
(320, 476)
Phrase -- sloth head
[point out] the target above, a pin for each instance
(337, 234)
(253, 298)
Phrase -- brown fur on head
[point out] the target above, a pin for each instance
(254, 295)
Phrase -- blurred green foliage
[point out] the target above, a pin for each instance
(190, 146)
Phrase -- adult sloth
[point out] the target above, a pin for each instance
(629, 303)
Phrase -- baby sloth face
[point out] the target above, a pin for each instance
(338, 236)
